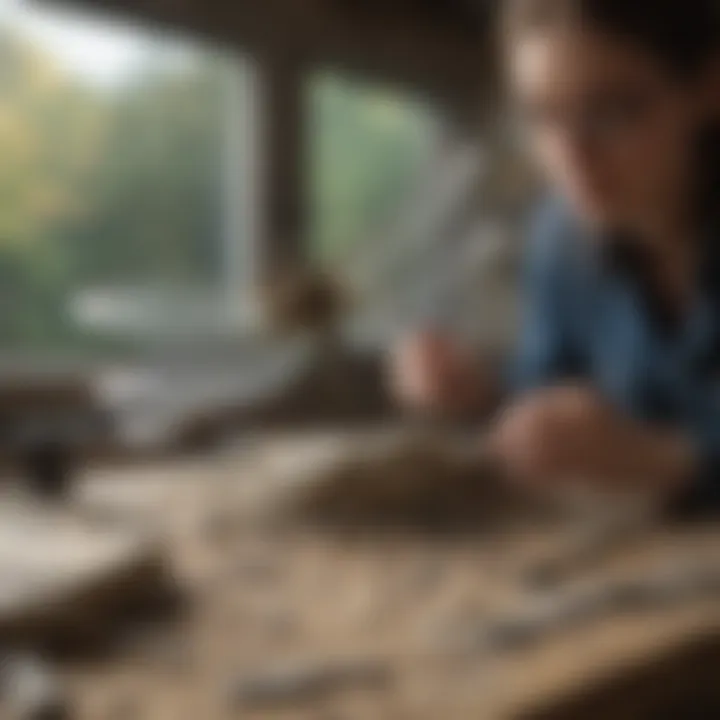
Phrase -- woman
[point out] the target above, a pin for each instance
(617, 378)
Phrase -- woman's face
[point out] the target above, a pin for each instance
(606, 123)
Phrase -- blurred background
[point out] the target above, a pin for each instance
(161, 163)
(215, 217)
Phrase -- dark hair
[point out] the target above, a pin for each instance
(683, 34)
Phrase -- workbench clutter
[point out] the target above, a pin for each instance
(311, 586)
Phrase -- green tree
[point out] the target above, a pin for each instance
(49, 144)
(114, 187)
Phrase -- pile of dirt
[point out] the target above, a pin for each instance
(408, 480)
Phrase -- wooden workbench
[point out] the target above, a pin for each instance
(264, 599)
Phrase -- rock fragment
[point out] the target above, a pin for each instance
(31, 691)
(306, 682)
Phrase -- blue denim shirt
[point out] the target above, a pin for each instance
(585, 319)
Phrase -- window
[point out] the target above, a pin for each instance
(127, 182)
(125, 208)
(394, 203)
(371, 149)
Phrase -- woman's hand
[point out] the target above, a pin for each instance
(432, 374)
(570, 434)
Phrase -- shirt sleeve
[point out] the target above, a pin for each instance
(548, 348)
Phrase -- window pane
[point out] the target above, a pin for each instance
(370, 148)
(122, 190)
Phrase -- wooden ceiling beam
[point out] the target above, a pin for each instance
(389, 43)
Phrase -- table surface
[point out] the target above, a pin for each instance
(266, 598)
